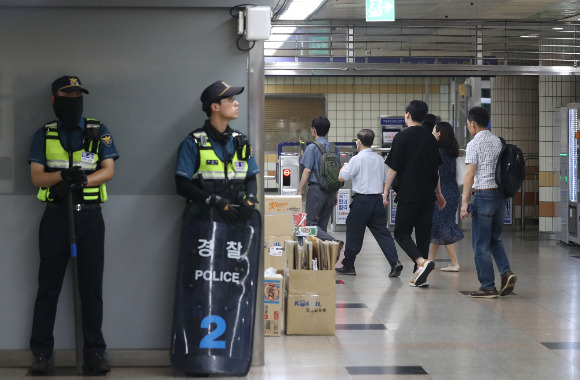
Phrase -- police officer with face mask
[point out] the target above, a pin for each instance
(88, 144)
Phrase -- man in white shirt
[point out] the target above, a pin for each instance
(368, 173)
(488, 207)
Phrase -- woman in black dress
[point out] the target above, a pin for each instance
(445, 230)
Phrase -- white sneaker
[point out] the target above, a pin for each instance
(423, 285)
(451, 268)
(422, 272)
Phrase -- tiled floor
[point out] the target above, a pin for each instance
(388, 330)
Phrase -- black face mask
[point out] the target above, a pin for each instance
(68, 110)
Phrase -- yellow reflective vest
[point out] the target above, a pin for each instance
(87, 158)
(213, 176)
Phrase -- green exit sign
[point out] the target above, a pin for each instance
(380, 10)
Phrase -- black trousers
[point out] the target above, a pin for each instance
(418, 216)
(54, 244)
(367, 211)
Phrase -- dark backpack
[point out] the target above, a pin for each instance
(329, 169)
(510, 169)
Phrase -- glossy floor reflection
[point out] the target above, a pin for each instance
(388, 330)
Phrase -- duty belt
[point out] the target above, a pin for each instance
(76, 207)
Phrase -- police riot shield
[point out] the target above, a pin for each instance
(215, 296)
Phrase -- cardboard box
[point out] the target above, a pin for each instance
(311, 302)
(274, 252)
(278, 225)
(273, 300)
(276, 204)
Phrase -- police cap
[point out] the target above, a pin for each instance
(68, 83)
(218, 90)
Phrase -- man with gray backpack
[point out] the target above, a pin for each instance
(321, 163)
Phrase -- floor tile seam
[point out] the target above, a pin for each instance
(506, 367)
(506, 322)
(552, 313)
(562, 355)
(366, 307)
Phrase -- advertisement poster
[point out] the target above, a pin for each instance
(342, 206)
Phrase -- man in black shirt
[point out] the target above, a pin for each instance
(414, 159)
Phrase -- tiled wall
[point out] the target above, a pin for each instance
(357, 102)
(515, 117)
(554, 91)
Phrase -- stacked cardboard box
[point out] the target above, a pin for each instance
(278, 227)
(273, 296)
(311, 299)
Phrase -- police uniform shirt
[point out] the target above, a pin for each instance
(187, 156)
(71, 141)
(367, 171)
(312, 155)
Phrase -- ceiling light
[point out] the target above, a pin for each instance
(300, 9)
(558, 28)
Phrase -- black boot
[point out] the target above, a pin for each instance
(42, 364)
(96, 364)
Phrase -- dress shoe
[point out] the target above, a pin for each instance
(483, 293)
(396, 269)
(42, 364)
(346, 270)
(508, 282)
(96, 364)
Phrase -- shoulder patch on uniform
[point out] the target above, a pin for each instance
(107, 139)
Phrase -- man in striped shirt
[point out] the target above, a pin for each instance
(488, 207)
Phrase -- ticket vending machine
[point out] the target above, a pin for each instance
(560, 119)
(390, 126)
(571, 134)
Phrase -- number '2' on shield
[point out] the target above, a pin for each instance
(215, 296)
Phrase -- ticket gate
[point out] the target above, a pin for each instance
(288, 170)
(288, 173)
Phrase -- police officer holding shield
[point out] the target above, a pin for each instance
(219, 245)
(216, 172)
